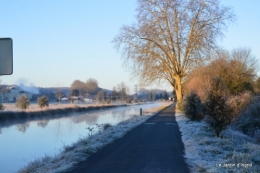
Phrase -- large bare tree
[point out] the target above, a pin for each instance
(170, 36)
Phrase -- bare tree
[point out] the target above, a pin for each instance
(58, 95)
(114, 94)
(122, 90)
(101, 95)
(170, 37)
(80, 87)
(92, 86)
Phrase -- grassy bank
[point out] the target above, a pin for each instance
(204, 152)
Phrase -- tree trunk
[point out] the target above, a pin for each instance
(178, 88)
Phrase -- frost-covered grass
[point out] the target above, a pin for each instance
(72, 154)
(34, 107)
(234, 152)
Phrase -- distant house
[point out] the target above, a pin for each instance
(74, 98)
(13, 93)
(88, 100)
(65, 99)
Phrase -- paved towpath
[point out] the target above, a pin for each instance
(153, 147)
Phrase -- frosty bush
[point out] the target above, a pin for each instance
(216, 109)
(106, 126)
(249, 121)
(23, 102)
(240, 102)
(193, 107)
(43, 101)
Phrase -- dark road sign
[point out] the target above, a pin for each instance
(6, 56)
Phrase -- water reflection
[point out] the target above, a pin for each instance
(42, 123)
(22, 127)
(88, 118)
(24, 140)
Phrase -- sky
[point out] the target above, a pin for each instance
(57, 42)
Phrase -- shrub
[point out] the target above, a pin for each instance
(249, 121)
(23, 102)
(216, 109)
(106, 126)
(240, 102)
(128, 100)
(193, 108)
(43, 101)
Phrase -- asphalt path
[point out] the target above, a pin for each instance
(152, 147)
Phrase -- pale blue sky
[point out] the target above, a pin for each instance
(57, 42)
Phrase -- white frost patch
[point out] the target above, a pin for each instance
(80, 150)
(205, 152)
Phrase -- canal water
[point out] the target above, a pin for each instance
(21, 143)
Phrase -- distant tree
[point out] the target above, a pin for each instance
(43, 101)
(101, 95)
(170, 37)
(105, 94)
(114, 94)
(156, 97)
(91, 86)
(165, 95)
(151, 96)
(23, 102)
(120, 92)
(160, 96)
(74, 92)
(58, 95)
(79, 88)
(174, 95)
(122, 89)
(143, 93)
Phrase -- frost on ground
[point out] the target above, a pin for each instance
(234, 152)
(35, 107)
(80, 150)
